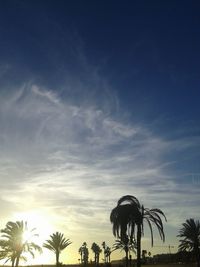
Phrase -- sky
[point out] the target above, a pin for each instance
(98, 99)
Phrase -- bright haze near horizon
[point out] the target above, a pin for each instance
(98, 99)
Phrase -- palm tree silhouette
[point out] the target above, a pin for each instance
(106, 251)
(128, 216)
(127, 247)
(144, 255)
(13, 244)
(97, 250)
(57, 243)
(190, 232)
(84, 252)
(107, 254)
(80, 251)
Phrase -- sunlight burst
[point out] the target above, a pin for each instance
(38, 230)
(27, 236)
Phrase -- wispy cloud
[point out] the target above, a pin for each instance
(74, 161)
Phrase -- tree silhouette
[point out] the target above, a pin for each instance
(127, 247)
(104, 249)
(128, 216)
(107, 252)
(57, 243)
(83, 251)
(97, 250)
(13, 244)
(190, 232)
(80, 251)
(144, 256)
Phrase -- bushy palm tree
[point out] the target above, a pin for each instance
(13, 244)
(57, 243)
(127, 247)
(128, 219)
(190, 232)
(97, 250)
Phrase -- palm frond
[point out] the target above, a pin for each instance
(57, 242)
(12, 242)
(190, 232)
(130, 215)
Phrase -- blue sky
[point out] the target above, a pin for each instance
(98, 99)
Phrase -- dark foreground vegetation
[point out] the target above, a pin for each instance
(127, 220)
(113, 265)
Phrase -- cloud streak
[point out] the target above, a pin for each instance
(74, 161)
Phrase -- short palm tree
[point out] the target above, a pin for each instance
(144, 255)
(13, 244)
(106, 251)
(128, 216)
(80, 251)
(84, 252)
(57, 243)
(127, 247)
(97, 250)
(190, 232)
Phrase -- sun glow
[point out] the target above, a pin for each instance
(39, 229)
(27, 236)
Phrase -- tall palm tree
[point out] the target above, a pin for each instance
(57, 243)
(97, 250)
(13, 244)
(190, 232)
(128, 219)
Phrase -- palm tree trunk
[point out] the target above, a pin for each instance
(197, 254)
(139, 233)
(130, 260)
(126, 251)
(81, 257)
(13, 261)
(198, 259)
(57, 258)
(95, 258)
(17, 261)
